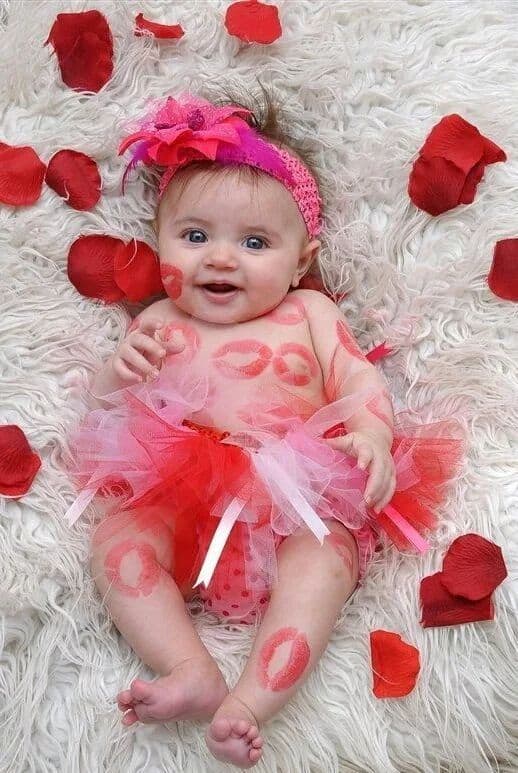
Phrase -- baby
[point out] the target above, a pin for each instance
(270, 431)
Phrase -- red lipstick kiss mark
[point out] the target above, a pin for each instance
(374, 407)
(303, 372)
(149, 574)
(342, 547)
(245, 346)
(172, 279)
(290, 312)
(286, 675)
(347, 340)
(182, 333)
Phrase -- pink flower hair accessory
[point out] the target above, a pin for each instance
(176, 132)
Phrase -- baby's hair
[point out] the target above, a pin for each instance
(268, 119)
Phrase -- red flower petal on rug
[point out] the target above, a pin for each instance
(395, 665)
(440, 608)
(137, 271)
(253, 21)
(503, 275)
(75, 177)
(379, 351)
(84, 46)
(162, 31)
(21, 175)
(91, 267)
(451, 163)
(473, 567)
(18, 463)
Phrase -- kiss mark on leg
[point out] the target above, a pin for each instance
(304, 369)
(149, 573)
(244, 346)
(286, 675)
(290, 312)
(172, 279)
(342, 546)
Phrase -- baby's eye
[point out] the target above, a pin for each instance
(195, 231)
(256, 239)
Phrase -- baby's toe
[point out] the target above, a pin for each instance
(257, 743)
(220, 729)
(254, 754)
(130, 718)
(240, 726)
(140, 690)
(252, 733)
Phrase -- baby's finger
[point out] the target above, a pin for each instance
(122, 370)
(388, 493)
(150, 326)
(364, 458)
(144, 343)
(135, 359)
(374, 487)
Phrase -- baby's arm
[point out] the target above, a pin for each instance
(346, 371)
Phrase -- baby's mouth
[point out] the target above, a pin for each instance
(220, 288)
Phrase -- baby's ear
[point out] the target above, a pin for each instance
(307, 258)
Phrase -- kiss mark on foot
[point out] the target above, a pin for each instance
(150, 568)
(287, 675)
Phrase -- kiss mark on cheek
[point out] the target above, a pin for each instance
(290, 312)
(149, 569)
(183, 333)
(228, 367)
(342, 546)
(172, 279)
(347, 340)
(293, 660)
(304, 368)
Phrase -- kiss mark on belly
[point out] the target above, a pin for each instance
(172, 279)
(229, 368)
(297, 660)
(290, 312)
(183, 333)
(149, 571)
(304, 369)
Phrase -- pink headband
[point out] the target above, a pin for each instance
(189, 128)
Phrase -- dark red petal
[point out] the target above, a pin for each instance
(21, 175)
(91, 261)
(492, 153)
(84, 46)
(162, 31)
(455, 140)
(441, 608)
(380, 351)
(473, 567)
(435, 185)
(253, 21)
(503, 276)
(18, 463)
(137, 271)
(75, 177)
(472, 180)
(395, 665)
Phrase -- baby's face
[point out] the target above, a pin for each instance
(235, 231)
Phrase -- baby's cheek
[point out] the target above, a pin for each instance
(172, 279)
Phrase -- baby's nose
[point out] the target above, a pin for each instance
(222, 256)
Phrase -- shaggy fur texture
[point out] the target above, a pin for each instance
(364, 81)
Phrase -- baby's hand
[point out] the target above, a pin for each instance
(372, 451)
(141, 351)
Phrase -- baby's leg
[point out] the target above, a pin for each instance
(132, 570)
(314, 582)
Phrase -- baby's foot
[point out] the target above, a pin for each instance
(193, 690)
(233, 735)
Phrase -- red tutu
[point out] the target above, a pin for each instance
(229, 499)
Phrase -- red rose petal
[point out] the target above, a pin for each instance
(474, 176)
(75, 177)
(435, 185)
(379, 351)
(492, 153)
(21, 175)
(84, 46)
(395, 665)
(137, 271)
(440, 608)
(162, 31)
(455, 140)
(473, 567)
(253, 21)
(18, 463)
(91, 267)
(503, 276)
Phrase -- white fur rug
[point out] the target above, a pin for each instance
(366, 81)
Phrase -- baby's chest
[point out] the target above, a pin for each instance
(270, 359)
